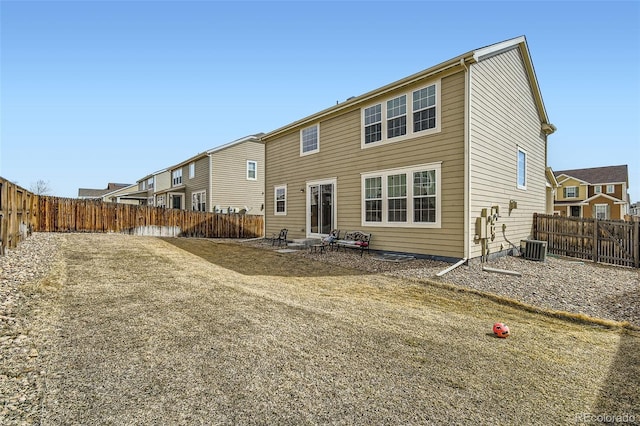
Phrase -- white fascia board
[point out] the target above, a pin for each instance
(250, 138)
(494, 49)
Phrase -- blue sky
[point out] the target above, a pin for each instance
(93, 92)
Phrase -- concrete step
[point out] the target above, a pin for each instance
(302, 243)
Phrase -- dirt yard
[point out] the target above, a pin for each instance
(135, 330)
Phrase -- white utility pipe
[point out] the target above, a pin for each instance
(451, 268)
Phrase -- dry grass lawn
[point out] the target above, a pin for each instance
(176, 331)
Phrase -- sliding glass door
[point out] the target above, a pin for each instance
(320, 207)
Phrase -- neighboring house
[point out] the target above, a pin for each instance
(120, 195)
(448, 163)
(226, 178)
(86, 193)
(145, 189)
(552, 189)
(634, 209)
(599, 192)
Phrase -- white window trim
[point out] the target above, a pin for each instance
(302, 152)
(410, 133)
(597, 189)
(526, 166)
(437, 166)
(577, 193)
(176, 175)
(203, 195)
(334, 208)
(255, 170)
(613, 189)
(275, 200)
(595, 211)
(192, 170)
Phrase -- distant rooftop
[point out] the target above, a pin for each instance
(97, 193)
(598, 175)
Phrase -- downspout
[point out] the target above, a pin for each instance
(467, 165)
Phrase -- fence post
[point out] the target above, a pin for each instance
(636, 243)
(596, 241)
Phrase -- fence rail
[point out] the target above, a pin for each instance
(22, 212)
(76, 215)
(615, 242)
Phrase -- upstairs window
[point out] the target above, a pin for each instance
(176, 177)
(150, 182)
(597, 189)
(397, 117)
(424, 109)
(192, 170)
(252, 170)
(373, 124)
(406, 115)
(309, 140)
(611, 189)
(522, 169)
(571, 192)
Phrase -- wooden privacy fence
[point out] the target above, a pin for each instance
(77, 215)
(18, 214)
(616, 242)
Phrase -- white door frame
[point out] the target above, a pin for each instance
(334, 209)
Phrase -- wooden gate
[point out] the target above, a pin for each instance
(615, 242)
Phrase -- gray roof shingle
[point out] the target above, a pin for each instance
(598, 175)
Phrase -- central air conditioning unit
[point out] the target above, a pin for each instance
(533, 250)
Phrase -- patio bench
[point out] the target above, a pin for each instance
(357, 240)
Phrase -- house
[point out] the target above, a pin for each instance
(599, 192)
(634, 209)
(87, 193)
(144, 191)
(120, 195)
(448, 163)
(228, 178)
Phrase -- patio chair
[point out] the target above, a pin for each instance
(279, 238)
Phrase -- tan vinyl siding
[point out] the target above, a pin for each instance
(230, 186)
(342, 157)
(163, 181)
(581, 192)
(503, 117)
(198, 183)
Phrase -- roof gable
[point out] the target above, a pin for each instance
(570, 180)
(598, 175)
(458, 64)
(605, 196)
